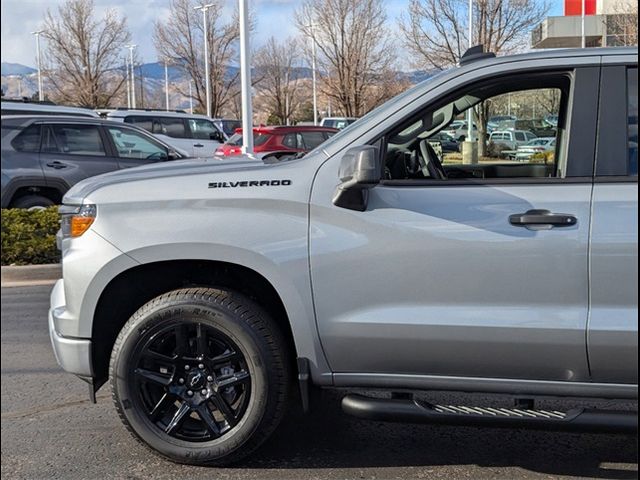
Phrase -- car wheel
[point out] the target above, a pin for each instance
(32, 202)
(200, 375)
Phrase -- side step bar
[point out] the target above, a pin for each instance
(416, 411)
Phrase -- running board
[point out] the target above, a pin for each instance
(416, 411)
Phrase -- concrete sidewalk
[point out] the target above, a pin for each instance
(31, 275)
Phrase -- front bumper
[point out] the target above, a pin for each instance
(73, 354)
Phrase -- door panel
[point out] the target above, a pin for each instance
(435, 280)
(613, 325)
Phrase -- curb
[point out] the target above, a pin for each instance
(31, 275)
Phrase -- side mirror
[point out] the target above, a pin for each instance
(360, 171)
(172, 155)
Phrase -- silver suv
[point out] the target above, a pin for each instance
(197, 135)
(206, 292)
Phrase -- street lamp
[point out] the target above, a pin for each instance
(40, 92)
(204, 9)
(128, 83)
(245, 78)
(133, 76)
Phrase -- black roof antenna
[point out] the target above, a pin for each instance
(475, 53)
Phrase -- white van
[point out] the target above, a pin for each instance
(195, 134)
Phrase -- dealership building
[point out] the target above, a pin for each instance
(607, 23)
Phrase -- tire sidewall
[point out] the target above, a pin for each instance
(258, 360)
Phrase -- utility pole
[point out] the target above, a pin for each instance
(245, 78)
(40, 92)
(133, 76)
(190, 98)
(207, 81)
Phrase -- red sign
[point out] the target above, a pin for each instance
(574, 7)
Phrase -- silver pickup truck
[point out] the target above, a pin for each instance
(208, 293)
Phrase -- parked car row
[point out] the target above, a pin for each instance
(48, 148)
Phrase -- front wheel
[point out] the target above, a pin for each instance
(200, 375)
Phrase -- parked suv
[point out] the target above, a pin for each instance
(196, 134)
(511, 139)
(282, 139)
(205, 293)
(43, 156)
(15, 107)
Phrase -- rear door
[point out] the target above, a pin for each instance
(613, 325)
(71, 152)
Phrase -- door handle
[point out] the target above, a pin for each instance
(57, 165)
(542, 219)
(199, 145)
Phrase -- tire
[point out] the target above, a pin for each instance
(32, 202)
(260, 376)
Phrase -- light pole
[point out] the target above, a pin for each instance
(470, 112)
(190, 99)
(133, 76)
(40, 92)
(166, 85)
(207, 81)
(245, 78)
(126, 75)
(313, 74)
(584, 38)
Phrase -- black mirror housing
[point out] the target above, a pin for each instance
(360, 170)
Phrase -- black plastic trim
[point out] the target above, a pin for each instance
(415, 411)
(611, 151)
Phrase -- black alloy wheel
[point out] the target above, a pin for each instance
(201, 375)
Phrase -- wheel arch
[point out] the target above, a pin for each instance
(132, 288)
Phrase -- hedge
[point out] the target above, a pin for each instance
(29, 237)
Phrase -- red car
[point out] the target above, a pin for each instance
(278, 139)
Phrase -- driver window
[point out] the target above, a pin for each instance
(516, 133)
(131, 144)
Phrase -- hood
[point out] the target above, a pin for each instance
(170, 169)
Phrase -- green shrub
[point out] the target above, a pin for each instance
(29, 237)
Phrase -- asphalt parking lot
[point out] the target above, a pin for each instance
(50, 430)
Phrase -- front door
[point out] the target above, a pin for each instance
(453, 277)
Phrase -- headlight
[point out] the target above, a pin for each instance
(76, 220)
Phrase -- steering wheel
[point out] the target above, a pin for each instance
(430, 163)
(157, 156)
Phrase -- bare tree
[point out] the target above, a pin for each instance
(622, 27)
(278, 64)
(436, 30)
(181, 38)
(436, 33)
(83, 54)
(353, 47)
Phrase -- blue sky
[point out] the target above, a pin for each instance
(274, 17)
